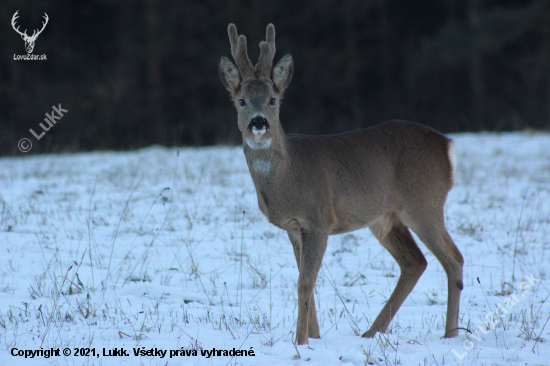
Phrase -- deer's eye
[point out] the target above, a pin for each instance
(242, 102)
(272, 101)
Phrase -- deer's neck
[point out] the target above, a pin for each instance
(266, 157)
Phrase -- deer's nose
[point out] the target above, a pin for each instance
(258, 123)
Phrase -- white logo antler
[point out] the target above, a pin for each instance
(29, 41)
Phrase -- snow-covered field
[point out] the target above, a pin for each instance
(165, 249)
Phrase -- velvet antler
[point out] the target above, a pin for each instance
(238, 50)
(240, 55)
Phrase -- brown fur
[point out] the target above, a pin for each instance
(390, 178)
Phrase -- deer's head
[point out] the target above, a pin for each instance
(256, 90)
(29, 40)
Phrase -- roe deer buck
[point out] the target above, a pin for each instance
(390, 178)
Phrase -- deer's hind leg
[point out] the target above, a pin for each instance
(312, 323)
(401, 245)
(430, 228)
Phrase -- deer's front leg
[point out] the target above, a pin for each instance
(312, 322)
(311, 256)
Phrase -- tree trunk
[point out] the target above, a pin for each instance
(475, 68)
(154, 67)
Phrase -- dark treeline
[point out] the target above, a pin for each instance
(136, 73)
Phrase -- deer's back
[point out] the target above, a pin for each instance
(364, 173)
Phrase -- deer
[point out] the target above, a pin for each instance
(29, 40)
(392, 178)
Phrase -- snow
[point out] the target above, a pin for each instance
(166, 249)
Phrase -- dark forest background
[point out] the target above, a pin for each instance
(136, 73)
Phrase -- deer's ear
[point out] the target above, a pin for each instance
(229, 74)
(282, 72)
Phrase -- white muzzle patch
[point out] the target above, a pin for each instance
(256, 131)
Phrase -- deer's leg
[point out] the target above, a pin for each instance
(412, 263)
(312, 323)
(311, 255)
(434, 234)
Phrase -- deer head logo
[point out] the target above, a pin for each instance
(29, 40)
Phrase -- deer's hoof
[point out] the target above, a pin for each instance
(451, 334)
(369, 334)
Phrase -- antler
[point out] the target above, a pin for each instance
(24, 34)
(15, 16)
(267, 52)
(238, 50)
(240, 55)
(43, 26)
